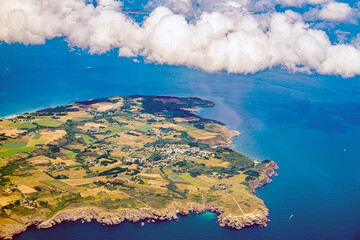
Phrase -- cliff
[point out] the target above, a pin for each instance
(268, 173)
(103, 216)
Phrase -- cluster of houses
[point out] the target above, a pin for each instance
(105, 148)
(176, 152)
(220, 175)
(158, 132)
(220, 187)
(93, 162)
(171, 152)
(150, 118)
(61, 166)
(95, 129)
(26, 201)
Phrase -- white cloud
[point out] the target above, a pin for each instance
(298, 3)
(332, 11)
(234, 41)
(341, 59)
(335, 11)
(356, 41)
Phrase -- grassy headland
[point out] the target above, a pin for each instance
(121, 154)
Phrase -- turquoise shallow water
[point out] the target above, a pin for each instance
(308, 124)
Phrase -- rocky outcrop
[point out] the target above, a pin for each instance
(268, 173)
(87, 214)
(240, 221)
(110, 218)
(11, 228)
(232, 135)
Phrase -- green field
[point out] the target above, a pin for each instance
(14, 145)
(37, 136)
(55, 183)
(70, 154)
(20, 125)
(27, 126)
(194, 181)
(36, 142)
(49, 123)
(87, 139)
(144, 128)
(15, 125)
(14, 151)
(177, 178)
(124, 176)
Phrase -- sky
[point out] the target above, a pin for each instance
(235, 36)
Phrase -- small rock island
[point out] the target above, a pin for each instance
(123, 158)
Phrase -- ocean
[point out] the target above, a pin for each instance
(308, 124)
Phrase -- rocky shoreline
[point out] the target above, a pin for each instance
(268, 173)
(87, 214)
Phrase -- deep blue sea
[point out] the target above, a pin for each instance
(308, 124)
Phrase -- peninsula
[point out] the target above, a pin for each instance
(135, 158)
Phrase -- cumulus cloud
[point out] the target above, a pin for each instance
(335, 11)
(332, 11)
(237, 41)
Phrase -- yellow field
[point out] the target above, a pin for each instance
(208, 179)
(7, 200)
(75, 173)
(25, 189)
(213, 162)
(76, 116)
(150, 175)
(201, 134)
(189, 187)
(67, 162)
(194, 181)
(50, 136)
(130, 140)
(93, 191)
(32, 143)
(39, 160)
(177, 119)
(82, 181)
(77, 146)
(35, 177)
(117, 194)
(157, 183)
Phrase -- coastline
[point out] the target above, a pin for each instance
(225, 218)
(102, 216)
(269, 172)
(30, 110)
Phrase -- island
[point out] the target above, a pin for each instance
(128, 158)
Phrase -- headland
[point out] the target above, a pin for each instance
(123, 158)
